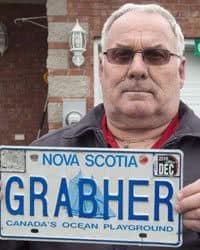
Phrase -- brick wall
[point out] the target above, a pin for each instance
(65, 80)
(95, 12)
(92, 15)
(22, 89)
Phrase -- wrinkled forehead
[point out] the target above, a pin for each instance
(146, 27)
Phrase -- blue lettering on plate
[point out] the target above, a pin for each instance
(110, 161)
(59, 159)
(82, 197)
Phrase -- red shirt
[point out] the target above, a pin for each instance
(171, 128)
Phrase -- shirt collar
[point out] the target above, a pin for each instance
(169, 131)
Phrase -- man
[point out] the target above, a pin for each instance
(142, 70)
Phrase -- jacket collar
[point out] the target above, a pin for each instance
(189, 122)
(90, 122)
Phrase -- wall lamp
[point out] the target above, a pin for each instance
(77, 43)
(3, 38)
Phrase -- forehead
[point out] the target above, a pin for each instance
(141, 29)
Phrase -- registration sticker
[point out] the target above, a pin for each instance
(12, 161)
(91, 195)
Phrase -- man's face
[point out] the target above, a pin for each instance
(141, 90)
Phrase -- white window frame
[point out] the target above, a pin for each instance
(97, 86)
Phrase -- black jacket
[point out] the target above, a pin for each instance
(88, 133)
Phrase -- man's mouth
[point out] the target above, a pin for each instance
(136, 91)
(136, 94)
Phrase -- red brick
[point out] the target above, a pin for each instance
(22, 89)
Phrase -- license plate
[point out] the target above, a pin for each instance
(93, 195)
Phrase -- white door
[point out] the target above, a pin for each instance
(190, 93)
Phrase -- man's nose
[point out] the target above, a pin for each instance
(137, 68)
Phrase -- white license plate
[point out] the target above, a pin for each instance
(109, 196)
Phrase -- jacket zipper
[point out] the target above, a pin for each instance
(100, 138)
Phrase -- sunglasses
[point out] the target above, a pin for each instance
(152, 56)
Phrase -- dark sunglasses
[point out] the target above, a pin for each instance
(152, 56)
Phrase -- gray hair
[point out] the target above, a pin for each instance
(148, 8)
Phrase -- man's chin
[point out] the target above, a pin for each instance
(138, 109)
(138, 114)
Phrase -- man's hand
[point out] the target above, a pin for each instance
(188, 204)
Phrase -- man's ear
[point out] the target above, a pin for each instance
(182, 72)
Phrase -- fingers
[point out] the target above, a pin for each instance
(189, 190)
(188, 198)
(192, 215)
(191, 220)
(189, 203)
(193, 225)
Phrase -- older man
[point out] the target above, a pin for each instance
(142, 70)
